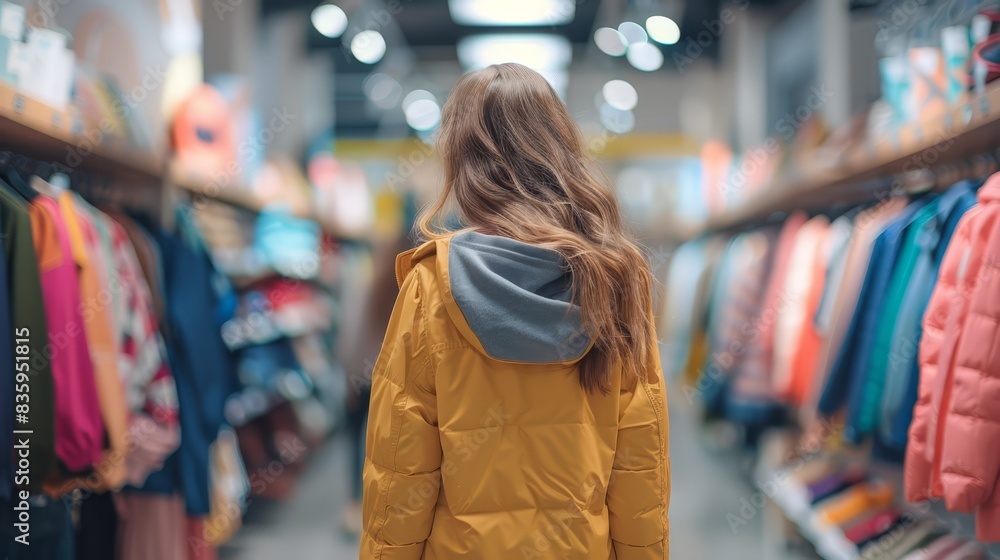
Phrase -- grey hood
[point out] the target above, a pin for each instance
(516, 299)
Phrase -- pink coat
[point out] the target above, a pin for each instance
(952, 451)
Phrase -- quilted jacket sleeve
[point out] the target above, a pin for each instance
(402, 474)
(917, 464)
(972, 425)
(639, 490)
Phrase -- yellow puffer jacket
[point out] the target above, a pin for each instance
(482, 443)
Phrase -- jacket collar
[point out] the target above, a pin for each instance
(406, 260)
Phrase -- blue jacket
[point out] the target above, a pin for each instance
(843, 384)
(902, 377)
(202, 364)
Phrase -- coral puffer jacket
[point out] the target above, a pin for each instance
(952, 451)
(481, 441)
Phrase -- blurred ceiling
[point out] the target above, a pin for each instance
(422, 32)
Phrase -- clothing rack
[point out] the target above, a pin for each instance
(98, 189)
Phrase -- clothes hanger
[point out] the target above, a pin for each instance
(13, 179)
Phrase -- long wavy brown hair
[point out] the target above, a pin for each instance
(515, 165)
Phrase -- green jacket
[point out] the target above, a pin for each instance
(27, 311)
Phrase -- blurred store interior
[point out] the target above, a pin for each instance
(804, 173)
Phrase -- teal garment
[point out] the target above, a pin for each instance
(902, 372)
(289, 244)
(878, 363)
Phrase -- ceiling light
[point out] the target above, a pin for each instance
(663, 30)
(633, 32)
(417, 95)
(512, 12)
(423, 114)
(610, 41)
(549, 55)
(645, 56)
(329, 20)
(620, 95)
(368, 46)
(536, 51)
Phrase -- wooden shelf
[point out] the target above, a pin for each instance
(962, 132)
(29, 127)
(234, 193)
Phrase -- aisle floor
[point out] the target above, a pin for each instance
(705, 490)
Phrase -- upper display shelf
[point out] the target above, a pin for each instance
(32, 128)
(957, 135)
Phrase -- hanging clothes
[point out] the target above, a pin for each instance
(876, 260)
(151, 393)
(837, 250)
(748, 401)
(151, 527)
(79, 427)
(956, 418)
(202, 364)
(759, 365)
(95, 298)
(721, 359)
(902, 369)
(899, 353)
(810, 343)
(867, 226)
(871, 381)
(23, 297)
(794, 327)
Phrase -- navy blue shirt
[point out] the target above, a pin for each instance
(203, 367)
(853, 355)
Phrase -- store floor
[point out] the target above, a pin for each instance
(706, 488)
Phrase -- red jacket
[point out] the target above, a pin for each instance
(952, 451)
